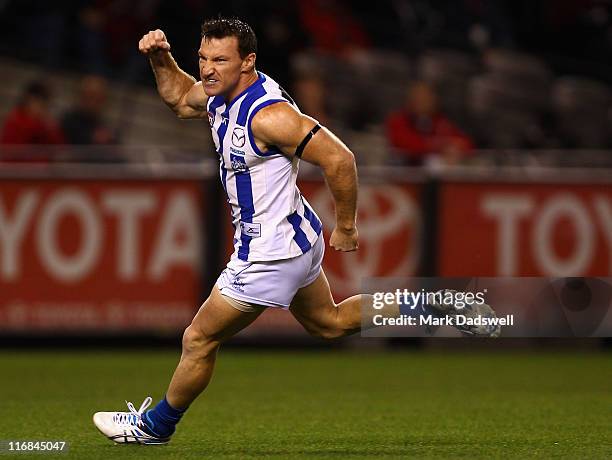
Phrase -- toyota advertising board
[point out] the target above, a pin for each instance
(122, 254)
(525, 229)
(100, 255)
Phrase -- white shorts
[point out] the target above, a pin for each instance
(271, 283)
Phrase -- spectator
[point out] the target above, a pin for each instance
(31, 122)
(420, 130)
(84, 124)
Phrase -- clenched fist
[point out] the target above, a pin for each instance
(344, 240)
(154, 41)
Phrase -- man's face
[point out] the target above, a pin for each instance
(37, 106)
(422, 100)
(93, 94)
(220, 65)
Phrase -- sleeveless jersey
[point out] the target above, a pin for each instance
(272, 221)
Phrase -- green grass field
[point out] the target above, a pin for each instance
(324, 405)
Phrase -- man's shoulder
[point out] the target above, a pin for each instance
(274, 115)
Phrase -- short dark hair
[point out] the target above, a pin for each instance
(232, 27)
(35, 89)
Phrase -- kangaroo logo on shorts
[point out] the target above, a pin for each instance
(238, 137)
(238, 284)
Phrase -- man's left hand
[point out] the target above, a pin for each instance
(344, 240)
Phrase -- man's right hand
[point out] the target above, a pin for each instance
(152, 42)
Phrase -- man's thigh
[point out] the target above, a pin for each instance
(218, 320)
(313, 305)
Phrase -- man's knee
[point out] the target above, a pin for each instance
(197, 343)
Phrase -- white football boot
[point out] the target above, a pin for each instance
(126, 427)
(470, 311)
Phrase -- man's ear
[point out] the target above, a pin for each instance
(248, 63)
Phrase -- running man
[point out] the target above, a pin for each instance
(260, 136)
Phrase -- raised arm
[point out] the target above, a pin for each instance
(285, 127)
(179, 90)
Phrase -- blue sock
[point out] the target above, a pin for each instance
(162, 419)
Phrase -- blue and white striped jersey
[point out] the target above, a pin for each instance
(272, 220)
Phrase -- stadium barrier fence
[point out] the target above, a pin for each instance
(134, 248)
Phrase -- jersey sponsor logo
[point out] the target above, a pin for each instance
(238, 137)
(211, 119)
(237, 152)
(250, 229)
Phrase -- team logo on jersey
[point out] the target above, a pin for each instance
(250, 229)
(238, 137)
(239, 164)
(211, 118)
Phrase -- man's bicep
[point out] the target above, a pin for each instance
(297, 134)
(325, 149)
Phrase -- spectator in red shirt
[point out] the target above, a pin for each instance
(30, 122)
(420, 130)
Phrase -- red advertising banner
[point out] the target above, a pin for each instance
(488, 229)
(114, 255)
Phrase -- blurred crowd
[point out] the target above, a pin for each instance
(31, 121)
(433, 81)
